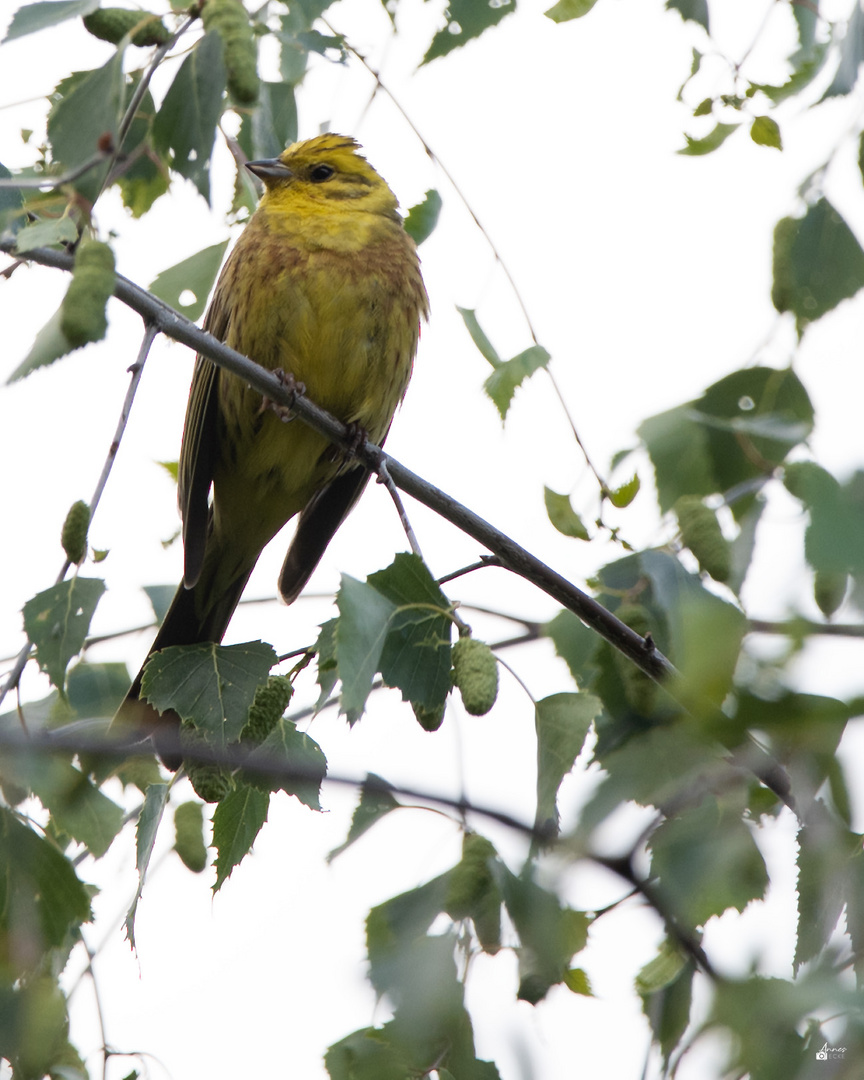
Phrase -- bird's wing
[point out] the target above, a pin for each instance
(199, 448)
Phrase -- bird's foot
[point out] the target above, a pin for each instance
(294, 388)
(357, 437)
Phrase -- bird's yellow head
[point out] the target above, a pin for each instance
(321, 174)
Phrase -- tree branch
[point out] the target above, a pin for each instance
(512, 556)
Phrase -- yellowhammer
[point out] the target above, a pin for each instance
(324, 284)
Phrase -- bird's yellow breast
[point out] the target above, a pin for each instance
(335, 300)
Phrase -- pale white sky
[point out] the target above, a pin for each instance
(647, 276)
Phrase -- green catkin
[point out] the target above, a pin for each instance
(230, 20)
(472, 893)
(209, 781)
(428, 719)
(271, 701)
(74, 534)
(113, 24)
(475, 674)
(82, 313)
(829, 590)
(700, 531)
(189, 836)
(640, 690)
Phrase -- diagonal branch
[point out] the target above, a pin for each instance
(512, 556)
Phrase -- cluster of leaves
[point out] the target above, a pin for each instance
(716, 754)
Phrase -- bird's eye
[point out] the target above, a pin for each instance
(321, 173)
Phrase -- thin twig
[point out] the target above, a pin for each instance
(482, 563)
(793, 627)
(49, 182)
(623, 868)
(434, 157)
(135, 370)
(379, 85)
(385, 478)
(138, 95)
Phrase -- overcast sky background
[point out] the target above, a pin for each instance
(647, 276)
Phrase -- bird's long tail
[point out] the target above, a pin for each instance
(184, 624)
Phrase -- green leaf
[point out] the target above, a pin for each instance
(623, 495)
(466, 19)
(744, 545)
(148, 176)
(760, 1019)
(160, 597)
(861, 155)
(765, 131)
(680, 453)
(665, 985)
(393, 925)
(707, 861)
(78, 808)
(367, 1055)
(325, 649)
(12, 205)
(664, 969)
(57, 621)
(708, 143)
(210, 685)
(487, 350)
(155, 800)
(565, 10)
(416, 653)
(549, 934)
(237, 820)
(694, 10)
(818, 263)
(825, 853)
(50, 344)
(705, 631)
(88, 109)
(194, 276)
(563, 722)
(39, 16)
(45, 233)
(189, 836)
(41, 898)
(742, 427)
(274, 121)
(577, 981)
(364, 621)
(803, 730)
(563, 516)
(832, 542)
(576, 644)
(422, 218)
(375, 803)
(507, 377)
(652, 768)
(851, 56)
(186, 121)
(285, 750)
(807, 63)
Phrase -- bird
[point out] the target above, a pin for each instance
(323, 287)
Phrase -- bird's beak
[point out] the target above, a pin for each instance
(269, 169)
